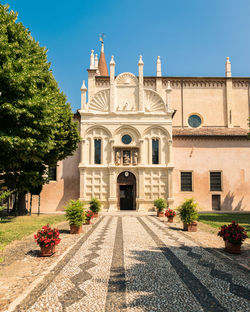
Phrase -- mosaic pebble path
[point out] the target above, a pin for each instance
(136, 263)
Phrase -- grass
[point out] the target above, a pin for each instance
(15, 228)
(217, 220)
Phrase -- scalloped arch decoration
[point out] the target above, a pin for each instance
(153, 102)
(100, 101)
(127, 79)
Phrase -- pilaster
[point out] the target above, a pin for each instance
(82, 183)
(112, 191)
(140, 65)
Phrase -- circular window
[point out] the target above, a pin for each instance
(126, 139)
(194, 121)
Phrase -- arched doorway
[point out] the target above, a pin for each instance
(126, 191)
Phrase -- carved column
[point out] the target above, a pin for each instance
(83, 151)
(92, 153)
(142, 153)
(82, 183)
(170, 151)
(112, 152)
(112, 191)
(140, 199)
(170, 187)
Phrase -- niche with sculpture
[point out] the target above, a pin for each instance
(126, 157)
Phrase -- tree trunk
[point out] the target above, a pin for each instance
(19, 208)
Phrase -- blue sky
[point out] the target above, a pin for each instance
(193, 37)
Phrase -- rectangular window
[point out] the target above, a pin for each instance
(215, 181)
(98, 151)
(186, 182)
(155, 151)
(216, 202)
(52, 173)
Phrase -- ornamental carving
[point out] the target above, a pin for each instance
(153, 102)
(100, 101)
(126, 157)
(126, 79)
(241, 83)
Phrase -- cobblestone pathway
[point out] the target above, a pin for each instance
(136, 263)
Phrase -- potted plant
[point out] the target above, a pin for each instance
(160, 205)
(170, 214)
(95, 206)
(188, 212)
(233, 236)
(47, 238)
(89, 216)
(75, 215)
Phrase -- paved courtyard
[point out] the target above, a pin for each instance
(137, 263)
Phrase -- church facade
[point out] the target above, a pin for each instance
(150, 137)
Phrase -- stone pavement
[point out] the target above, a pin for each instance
(136, 263)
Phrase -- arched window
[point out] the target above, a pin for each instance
(155, 151)
(98, 144)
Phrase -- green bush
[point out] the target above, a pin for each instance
(75, 213)
(160, 204)
(188, 211)
(95, 205)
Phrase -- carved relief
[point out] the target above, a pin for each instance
(153, 101)
(241, 83)
(149, 83)
(100, 101)
(126, 157)
(127, 79)
(201, 83)
(125, 106)
(102, 83)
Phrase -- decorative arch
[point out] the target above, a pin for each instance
(159, 128)
(100, 101)
(126, 79)
(131, 129)
(109, 134)
(153, 102)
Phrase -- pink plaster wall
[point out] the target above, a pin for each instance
(56, 194)
(232, 157)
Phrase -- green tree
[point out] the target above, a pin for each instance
(36, 122)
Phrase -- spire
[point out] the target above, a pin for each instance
(228, 68)
(158, 67)
(102, 65)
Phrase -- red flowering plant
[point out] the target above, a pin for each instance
(89, 215)
(170, 213)
(47, 236)
(233, 233)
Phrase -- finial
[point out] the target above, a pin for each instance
(228, 68)
(92, 60)
(96, 60)
(83, 87)
(158, 67)
(102, 35)
(112, 61)
(140, 61)
(169, 86)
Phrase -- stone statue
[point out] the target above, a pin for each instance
(126, 158)
(135, 158)
(118, 158)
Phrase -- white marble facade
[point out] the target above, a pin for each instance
(117, 107)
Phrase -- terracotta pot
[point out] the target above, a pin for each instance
(191, 227)
(232, 248)
(74, 229)
(47, 251)
(171, 219)
(160, 214)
